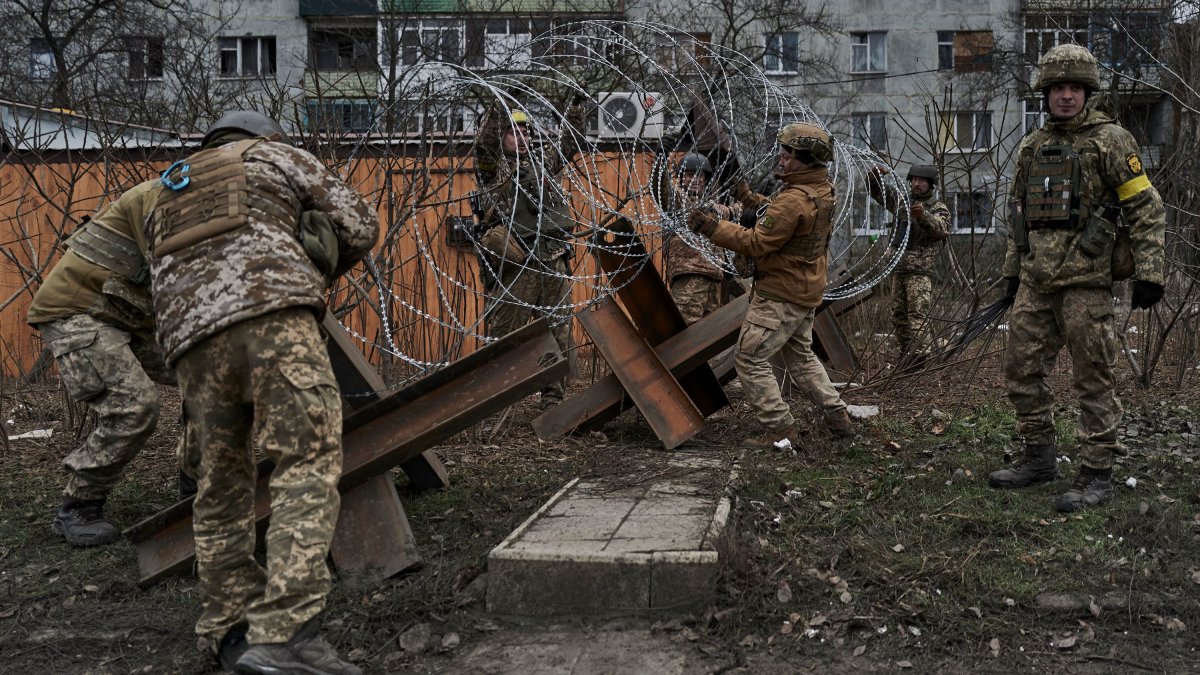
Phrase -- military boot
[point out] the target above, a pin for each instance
(81, 523)
(784, 439)
(1092, 487)
(838, 423)
(1039, 465)
(232, 646)
(306, 652)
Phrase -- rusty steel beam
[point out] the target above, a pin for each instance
(657, 394)
(360, 384)
(373, 540)
(387, 432)
(683, 353)
(627, 263)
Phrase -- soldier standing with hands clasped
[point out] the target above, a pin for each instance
(929, 225)
(1074, 178)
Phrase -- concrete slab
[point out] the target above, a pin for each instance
(635, 544)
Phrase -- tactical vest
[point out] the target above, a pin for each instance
(1052, 190)
(114, 251)
(217, 199)
(536, 215)
(814, 244)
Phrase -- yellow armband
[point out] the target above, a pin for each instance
(1127, 190)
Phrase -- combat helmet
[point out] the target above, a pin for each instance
(1068, 63)
(248, 122)
(807, 137)
(925, 171)
(694, 162)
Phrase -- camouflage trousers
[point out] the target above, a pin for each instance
(774, 327)
(106, 368)
(266, 380)
(523, 294)
(1039, 325)
(911, 298)
(696, 295)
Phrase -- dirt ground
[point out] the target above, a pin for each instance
(885, 554)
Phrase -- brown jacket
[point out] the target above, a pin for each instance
(790, 241)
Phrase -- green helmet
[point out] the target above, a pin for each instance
(248, 122)
(694, 162)
(925, 171)
(807, 137)
(1068, 63)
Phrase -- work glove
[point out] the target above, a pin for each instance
(1146, 294)
(1013, 284)
(917, 212)
(703, 222)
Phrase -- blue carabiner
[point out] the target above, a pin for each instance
(183, 172)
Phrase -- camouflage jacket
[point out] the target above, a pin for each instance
(790, 241)
(925, 237)
(1111, 174)
(524, 193)
(259, 267)
(78, 286)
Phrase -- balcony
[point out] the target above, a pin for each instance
(334, 8)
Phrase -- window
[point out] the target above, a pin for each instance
(965, 131)
(869, 129)
(676, 52)
(868, 52)
(434, 116)
(945, 46)
(867, 216)
(347, 50)
(506, 43)
(431, 41)
(42, 65)
(965, 51)
(970, 211)
(350, 115)
(247, 56)
(1043, 31)
(782, 53)
(1035, 114)
(145, 58)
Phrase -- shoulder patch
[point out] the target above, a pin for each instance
(1134, 162)
(766, 223)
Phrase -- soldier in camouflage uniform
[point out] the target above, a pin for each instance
(789, 244)
(527, 223)
(697, 284)
(243, 246)
(1074, 178)
(929, 221)
(93, 311)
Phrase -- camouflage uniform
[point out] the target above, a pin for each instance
(526, 249)
(236, 290)
(93, 312)
(1074, 178)
(1065, 293)
(912, 293)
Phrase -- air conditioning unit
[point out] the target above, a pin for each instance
(626, 114)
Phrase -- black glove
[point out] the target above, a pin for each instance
(1146, 294)
(1013, 284)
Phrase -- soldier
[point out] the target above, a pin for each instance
(697, 284)
(243, 244)
(93, 311)
(929, 225)
(1074, 178)
(527, 223)
(789, 244)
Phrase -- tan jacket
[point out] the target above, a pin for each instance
(790, 241)
(77, 286)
